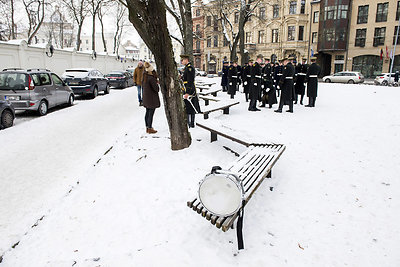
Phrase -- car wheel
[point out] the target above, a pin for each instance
(126, 84)
(107, 90)
(95, 92)
(328, 80)
(350, 81)
(7, 119)
(43, 108)
(384, 83)
(71, 100)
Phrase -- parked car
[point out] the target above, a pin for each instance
(344, 77)
(7, 114)
(200, 72)
(86, 81)
(383, 79)
(120, 79)
(34, 89)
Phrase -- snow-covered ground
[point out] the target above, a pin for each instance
(335, 197)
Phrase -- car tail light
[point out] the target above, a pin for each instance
(31, 104)
(31, 85)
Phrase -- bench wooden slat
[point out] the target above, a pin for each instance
(224, 135)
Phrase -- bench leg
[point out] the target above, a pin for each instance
(214, 94)
(205, 116)
(269, 175)
(207, 102)
(213, 137)
(226, 110)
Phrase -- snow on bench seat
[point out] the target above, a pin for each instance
(220, 105)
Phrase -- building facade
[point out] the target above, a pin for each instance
(355, 35)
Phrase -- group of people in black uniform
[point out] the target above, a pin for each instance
(264, 81)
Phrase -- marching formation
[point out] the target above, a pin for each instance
(265, 81)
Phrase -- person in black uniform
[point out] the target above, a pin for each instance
(246, 74)
(268, 85)
(239, 75)
(224, 81)
(232, 79)
(286, 86)
(255, 86)
(312, 81)
(301, 71)
(277, 75)
(189, 92)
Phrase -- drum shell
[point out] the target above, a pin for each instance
(221, 193)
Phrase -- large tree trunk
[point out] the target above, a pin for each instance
(188, 38)
(242, 22)
(102, 36)
(149, 19)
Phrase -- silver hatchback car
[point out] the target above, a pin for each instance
(34, 89)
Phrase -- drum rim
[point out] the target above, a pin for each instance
(227, 176)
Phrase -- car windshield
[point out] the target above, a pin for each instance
(75, 73)
(115, 75)
(13, 81)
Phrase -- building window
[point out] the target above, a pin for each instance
(87, 41)
(215, 24)
(362, 16)
(302, 6)
(291, 33)
(248, 37)
(215, 40)
(275, 35)
(394, 36)
(275, 11)
(198, 29)
(262, 13)
(316, 17)
(198, 12)
(236, 17)
(329, 35)
(381, 12)
(398, 10)
(361, 34)
(261, 37)
(301, 33)
(209, 41)
(226, 43)
(292, 7)
(342, 12)
(314, 38)
(379, 36)
(208, 21)
(330, 12)
(198, 45)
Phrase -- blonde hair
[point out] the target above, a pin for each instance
(148, 67)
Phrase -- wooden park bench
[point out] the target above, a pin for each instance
(220, 105)
(210, 91)
(209, 84)
(252, 166)
(207, 99)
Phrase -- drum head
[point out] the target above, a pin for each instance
(220, 194)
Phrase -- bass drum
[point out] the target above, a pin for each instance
(221, 193)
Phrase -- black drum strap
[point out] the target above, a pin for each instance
(239, 227)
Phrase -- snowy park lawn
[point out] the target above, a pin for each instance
(333, 200)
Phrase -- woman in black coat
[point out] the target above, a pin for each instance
(151, 100)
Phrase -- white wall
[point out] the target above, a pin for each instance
(20, 55)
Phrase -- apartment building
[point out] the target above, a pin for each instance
(356, 35)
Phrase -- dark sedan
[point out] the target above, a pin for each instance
(120, 79)
(7, 114)
(85, 81)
